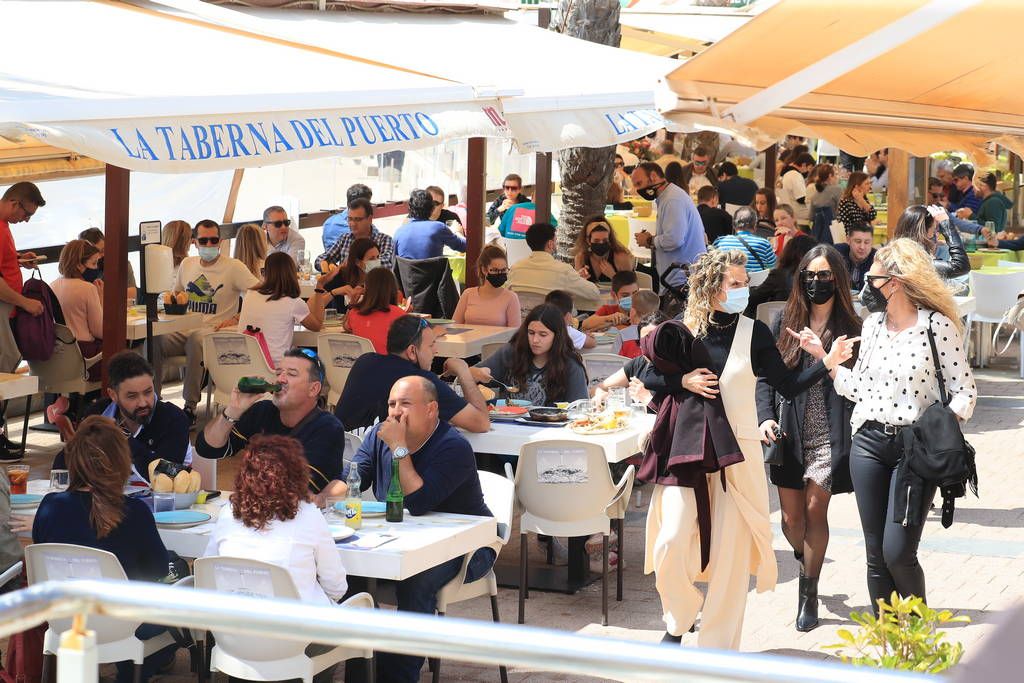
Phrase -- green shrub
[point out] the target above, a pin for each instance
(904, 636)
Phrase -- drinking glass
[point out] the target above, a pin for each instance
(59, 480)
(18, 476)
(163, 502)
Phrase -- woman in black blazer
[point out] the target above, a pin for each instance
(815, 424)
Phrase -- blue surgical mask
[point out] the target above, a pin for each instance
(209, 253)
(626, 303)
(736, 300)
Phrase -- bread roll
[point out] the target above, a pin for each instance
(162, 484)
(196, 482)
(182, 482)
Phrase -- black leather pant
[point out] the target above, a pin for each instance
(891, 547)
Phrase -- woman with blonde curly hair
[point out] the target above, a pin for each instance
(709, 475)
(251, 248)
(892, 383)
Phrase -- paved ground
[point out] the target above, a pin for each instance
(975, 567)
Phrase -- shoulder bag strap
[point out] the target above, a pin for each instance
(935, 360)
(757, 257)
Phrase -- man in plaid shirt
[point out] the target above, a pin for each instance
(360, 224)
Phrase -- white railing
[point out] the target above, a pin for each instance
(447, 638)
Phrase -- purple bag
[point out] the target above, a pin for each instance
(36, 334)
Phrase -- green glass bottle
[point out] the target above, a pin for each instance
(395, 500)
(257, 385)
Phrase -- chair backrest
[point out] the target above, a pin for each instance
(230, 356)
(352, 444)
(563, 487)
(600, 366)
(758, 278)
(528, 300)
(500, 496)
(516, 249)
(339, 352)
(766, 311)
(995, 294)
(65, 371)
(66, 562)
(255, 578)
(490, 348)
(428, 284)
(644, 280)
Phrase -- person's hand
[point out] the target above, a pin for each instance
(455, 367)
(809, 342)
(618, 319)
(583, 272)
(643, 238)
(27, 256)
(505, 204)
(481, 375)
(231, 322)
(701, 382)
(606, 268)
(841, 351)
(600, 394)
(32, 306)
(939, 214)
(20, 524)
(638, 392)
(394, 432)
(241, 402)
(322, 281)
(986, 233)
(992, 242)
(768, 428)
(963, 212)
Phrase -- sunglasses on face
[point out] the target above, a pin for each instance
(207, 240)
(511, 188)
(619, 164)
(936, 195)
(872, 279)
(277, 224)
(819, 275)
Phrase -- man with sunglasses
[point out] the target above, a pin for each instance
(698, 173)
(281, 236)
(510, 195)
(213, 283)
(292, 411)
(679, 232)
(411, 351)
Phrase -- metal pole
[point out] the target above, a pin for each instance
(476, 189)
(115, 263)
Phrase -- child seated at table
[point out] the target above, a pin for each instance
(563, 302)
(643, 315)
(624, 286)
(378, 308)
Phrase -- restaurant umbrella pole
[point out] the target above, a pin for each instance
(149, 233)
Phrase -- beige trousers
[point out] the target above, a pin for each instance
(673, 553)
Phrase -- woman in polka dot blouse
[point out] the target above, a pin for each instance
(892, 383)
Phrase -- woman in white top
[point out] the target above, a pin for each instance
(274, 306)
(892, 384)
(272, 519)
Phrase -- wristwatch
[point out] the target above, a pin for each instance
(231, 420)
(320, 290)
(400, 452)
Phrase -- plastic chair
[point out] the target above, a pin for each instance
(644, 280)
(766, 312)
(339, 352)
(758, 278)
(115, 638)
(564, 488)
(528, 300)
(500, 496)
(66, 372)
(264, 659)
(228, 357)
(600, 366)
(995, 294)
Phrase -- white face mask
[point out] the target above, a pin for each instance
(373, 263)
(736, 300)
(209, 253)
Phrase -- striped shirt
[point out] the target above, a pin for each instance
(760, 255)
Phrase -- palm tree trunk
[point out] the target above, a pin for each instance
(586, 172)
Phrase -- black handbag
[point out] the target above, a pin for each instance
(935, 450)
(789, 428)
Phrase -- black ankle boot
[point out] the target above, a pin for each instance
(669, 638)
(807, 607)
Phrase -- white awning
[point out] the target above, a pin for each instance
(142, 89)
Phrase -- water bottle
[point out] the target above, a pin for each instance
(395, 500)
(354, 501)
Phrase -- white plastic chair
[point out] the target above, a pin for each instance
(265, 659)
(500, 496)
(115, 638)
(515, 249)
(564, 488)
(339, 352)
(528, 300)
(66, 372)
(767, 311)
(995, 294)
(644, 280)
(600, 366)
(228, 357)
(758, 278)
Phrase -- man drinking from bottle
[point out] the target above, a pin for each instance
(437, 473)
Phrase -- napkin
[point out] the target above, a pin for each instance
(368, 541)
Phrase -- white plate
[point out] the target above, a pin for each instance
(340, 532)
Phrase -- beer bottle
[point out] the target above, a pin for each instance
(257, 385)
(395, 500)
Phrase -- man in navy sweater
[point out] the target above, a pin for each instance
(437, 470)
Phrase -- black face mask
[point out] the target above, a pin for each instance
(819, 292)
(650, 193)
(872, 298)
(498, 280)
(92, 274)
(600, 248)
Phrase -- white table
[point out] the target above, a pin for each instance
(423, 542)
(304, 337)
(506, 438)
(14, 385)
(463, 340)
(167, 324)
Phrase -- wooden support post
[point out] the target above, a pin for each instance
(115, 259)
(1015, 197)
(770, 156)
(899, 186)
(476, 188)
(542, 188)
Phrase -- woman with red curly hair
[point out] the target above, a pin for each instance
(273, 520)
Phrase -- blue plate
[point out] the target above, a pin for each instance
(370, 507)
(181, 517)
(25, 499)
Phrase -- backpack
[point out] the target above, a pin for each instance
(36, 334)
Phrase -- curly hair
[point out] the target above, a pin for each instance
(707, 274)
(271, 482)
(908, 261)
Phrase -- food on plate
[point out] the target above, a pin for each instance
(599, 424)
(161, 483)
(509, 410)
(169, 477)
